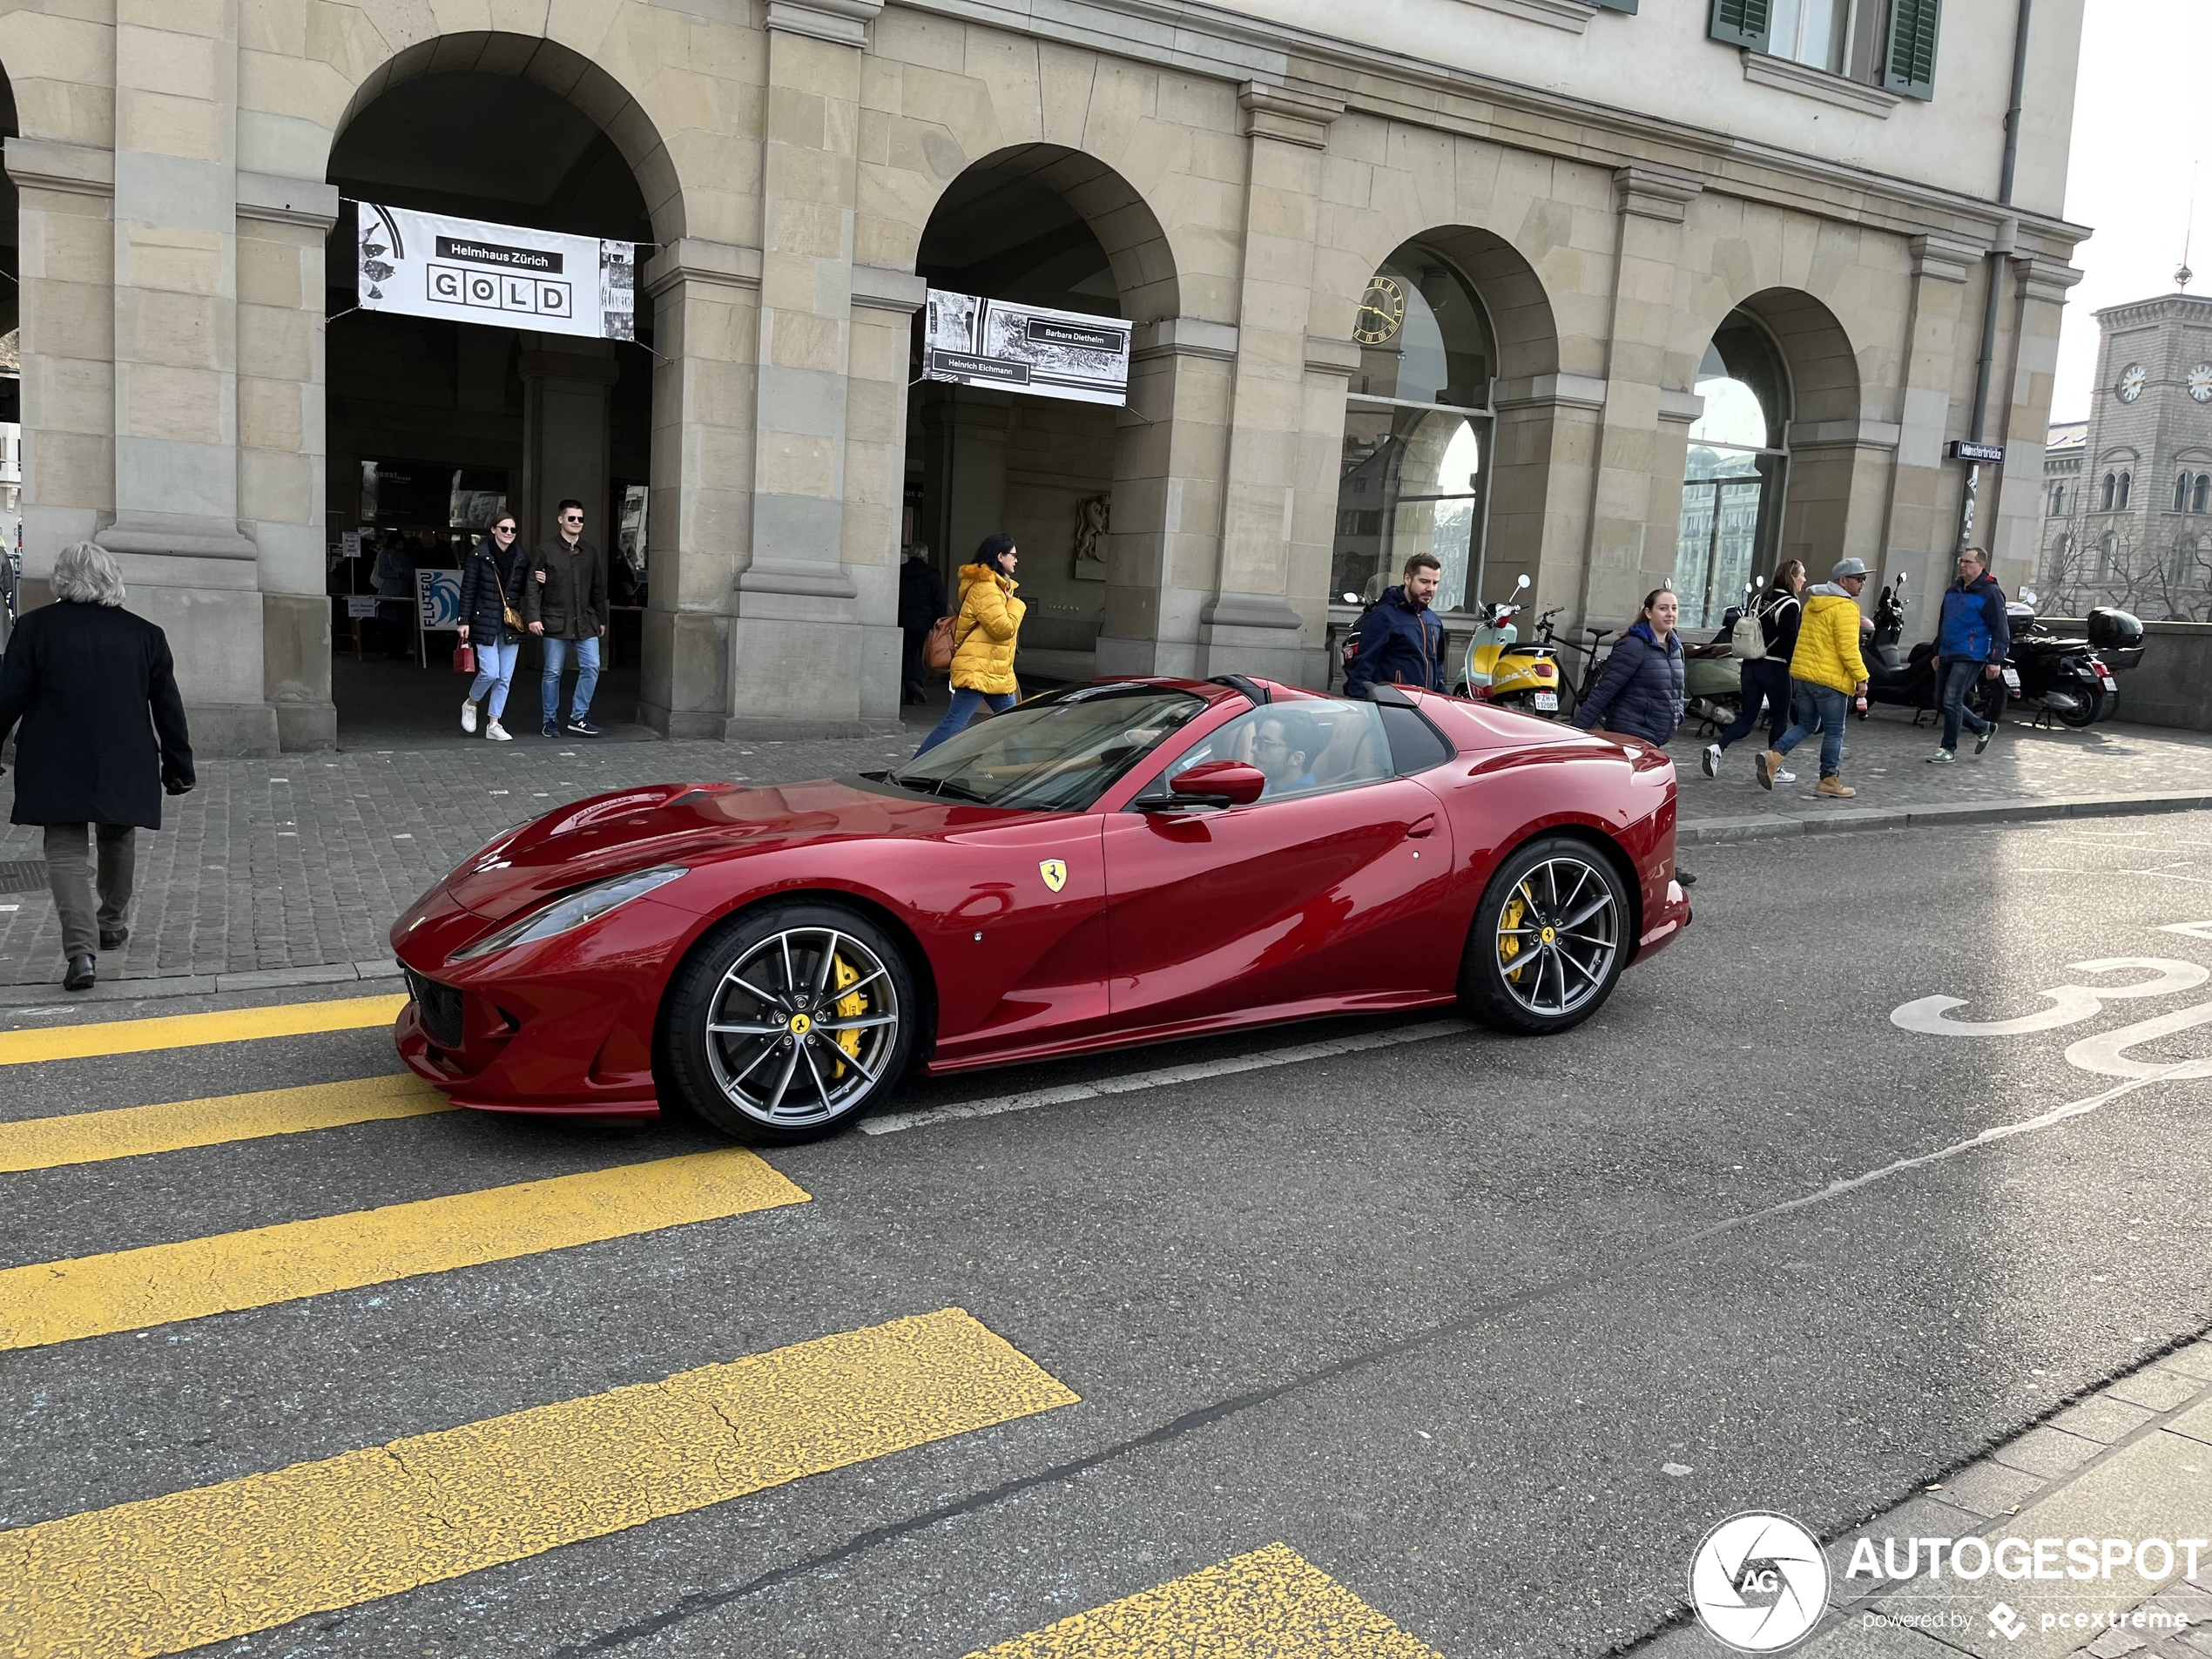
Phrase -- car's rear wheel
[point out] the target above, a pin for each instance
(1549, 941)
(791, 1022)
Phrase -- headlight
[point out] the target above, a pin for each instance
(571, 910)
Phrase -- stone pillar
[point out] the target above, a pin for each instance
(283, 464)
(884, 304)
(706, 318)
(1836, 493)
(1249, 624)
(177, 529)
(2012, 501)
(1636, 497)
(1163, 546)
(1545, 440)
(564, 436)
(799, 664)
(1922, 521)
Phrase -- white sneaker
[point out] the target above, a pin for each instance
(1941, 758)
(1786, 776)
(497, 734)
(1711, 761)
(468, 715)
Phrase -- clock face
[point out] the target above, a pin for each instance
(2201, 383)
(2131, 383)
(1381, 309)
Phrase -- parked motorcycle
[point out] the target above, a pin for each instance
(1902, 677)
(1499, 671)
(1713, 674)
(2062, 679)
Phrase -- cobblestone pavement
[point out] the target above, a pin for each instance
(303, 860)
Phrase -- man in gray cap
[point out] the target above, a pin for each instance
(1825, 672)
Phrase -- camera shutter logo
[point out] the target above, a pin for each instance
(1759, 1583)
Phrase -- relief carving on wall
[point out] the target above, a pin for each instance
(1091, 515)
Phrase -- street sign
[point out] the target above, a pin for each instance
(1984, 454)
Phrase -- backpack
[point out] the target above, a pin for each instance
(1749, 640)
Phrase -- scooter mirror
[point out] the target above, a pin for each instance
(1522, 583)
(1352, 599)
(2027, 596)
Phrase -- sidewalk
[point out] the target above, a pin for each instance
(292, 869)
(2130, 1462)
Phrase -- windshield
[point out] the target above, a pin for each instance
(1055, 753)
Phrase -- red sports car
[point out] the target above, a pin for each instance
(1119, 862)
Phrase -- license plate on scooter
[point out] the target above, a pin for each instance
(2013, 680)
(1548, 701)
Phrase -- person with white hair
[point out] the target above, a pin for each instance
(102, 734)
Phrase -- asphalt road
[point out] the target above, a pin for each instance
(1488, 1332)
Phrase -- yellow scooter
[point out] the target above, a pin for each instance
(1499, 671)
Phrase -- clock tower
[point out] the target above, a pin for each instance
(2127, 494)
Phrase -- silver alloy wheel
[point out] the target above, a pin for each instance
(802, 1026)
(1558, 933)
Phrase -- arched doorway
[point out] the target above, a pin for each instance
(1736, 479)
(436, 427)
(1417, 432)
(1074, 483)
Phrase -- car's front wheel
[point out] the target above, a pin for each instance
(790, 1022)
(1550, 938)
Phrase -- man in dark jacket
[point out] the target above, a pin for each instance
(1401, 640)
(921, 601)
(102, 734)
(1972, 640)
(565, 604)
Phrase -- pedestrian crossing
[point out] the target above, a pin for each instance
(161, 1573)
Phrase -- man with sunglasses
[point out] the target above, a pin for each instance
(565, 604)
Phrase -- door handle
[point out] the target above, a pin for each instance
(1423, 826)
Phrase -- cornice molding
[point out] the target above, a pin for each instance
(694, 259)
(280, 200)
(877, 288)
(842, 22)
(47, 164)
(1762, 68)
(1680, 408)
(1268, 112)
(1652, 193)
(1549, 391)
(1573, 15)
(1337, 357)
(1939, 258)
(1184, 337)
(1845, 434)
(2045, 279)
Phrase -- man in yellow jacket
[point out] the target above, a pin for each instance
(1825, 673)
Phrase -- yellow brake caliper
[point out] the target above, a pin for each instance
(1509, 944)
(849, 1007)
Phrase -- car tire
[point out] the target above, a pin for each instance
(1562, 886)
(789, 1023)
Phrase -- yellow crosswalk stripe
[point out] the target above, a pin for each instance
(128, 1289)
(134, 1131)
(1270, 1604)
(194, 1030)
(171, 1573)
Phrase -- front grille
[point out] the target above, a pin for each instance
(441, 1007)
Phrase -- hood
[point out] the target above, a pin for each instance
(1642, 629)
(1984, 580)
(1396, 595)
(688, 824)
(972, 574)
(1828, 590)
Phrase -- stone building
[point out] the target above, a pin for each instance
(2127, 493)
(1564, 287)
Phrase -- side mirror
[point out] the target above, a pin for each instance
(1233, 781)
(2027, 596)
(1352, 599)
(1522, 583)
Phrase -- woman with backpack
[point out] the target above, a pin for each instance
(491, 621)
(1777, 614)
(984, 630)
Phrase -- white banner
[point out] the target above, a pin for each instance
(1025, 349)
(433, 264)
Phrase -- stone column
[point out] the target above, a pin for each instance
(2012, 501)
(1547, 437)
(282, 463)
(1163, 547)
(1837, 491)
(1249, 624)
(1637, 497)
(706, 320)
(1922, 519)
(177, 526)
(797, 663)
(565, 390)
(884, 304)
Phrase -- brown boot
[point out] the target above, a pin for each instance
(1835, 789)
(1766, 765)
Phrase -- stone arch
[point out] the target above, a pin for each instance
(1512, 291)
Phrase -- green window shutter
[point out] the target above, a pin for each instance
(1908, 65)
(1615, 5)
(1741, 22)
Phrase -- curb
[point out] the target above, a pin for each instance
(1711, 832)
(271, 979)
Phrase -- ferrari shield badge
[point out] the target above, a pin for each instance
(1055, 872)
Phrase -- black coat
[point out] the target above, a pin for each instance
(489, 577)
(922, 594)
(103, 726)
(572, 600)
(1641, 689)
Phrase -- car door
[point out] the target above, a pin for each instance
(1313, 897)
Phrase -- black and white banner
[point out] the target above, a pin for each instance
(1025, 349)
(433, 264)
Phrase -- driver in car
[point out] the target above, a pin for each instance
(1283, 748)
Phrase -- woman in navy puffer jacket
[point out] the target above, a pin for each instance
(1640, 691)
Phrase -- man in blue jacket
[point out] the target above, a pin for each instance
(1972, 640)
(1401, 640)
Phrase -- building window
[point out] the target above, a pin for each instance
(2184, 564)
(2108, 551)
(2201, 498)
(2112, 487)
(2181, 494)
(1732, 487)
(1415, 472)
(1890, 45)
(2127, 481)
(2058, 501)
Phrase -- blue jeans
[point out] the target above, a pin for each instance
(587, 675)
(965, 702)
(495, 672)
(1820, 708)
(1958, 677)
(1765, 681)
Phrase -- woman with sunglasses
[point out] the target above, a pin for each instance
(491, 620)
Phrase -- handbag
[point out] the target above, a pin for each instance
(464, 658)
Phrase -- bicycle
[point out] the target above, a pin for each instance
(1571, 697)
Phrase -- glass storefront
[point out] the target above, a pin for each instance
(1732, 483)
(1417, 432)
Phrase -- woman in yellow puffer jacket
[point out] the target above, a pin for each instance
(984, 630)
